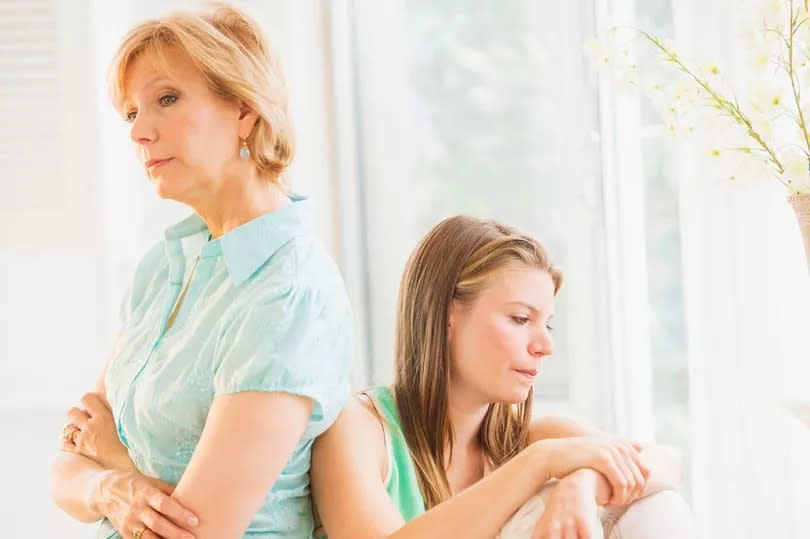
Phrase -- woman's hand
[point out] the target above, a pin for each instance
(618, 460)
(571, 511)
(135, 503)
(92, 433)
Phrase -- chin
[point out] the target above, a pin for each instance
(165, 188)
(515, 394)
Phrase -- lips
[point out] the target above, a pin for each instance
(157, 162)
(532, 373)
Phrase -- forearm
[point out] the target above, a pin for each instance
(75, 486)
(482, 509)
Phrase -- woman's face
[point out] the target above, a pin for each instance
(186, 137)
(498, 342)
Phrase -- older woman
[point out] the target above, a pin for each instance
(236, 333)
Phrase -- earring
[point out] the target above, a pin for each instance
(244, 151)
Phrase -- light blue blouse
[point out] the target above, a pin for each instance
(266, 310)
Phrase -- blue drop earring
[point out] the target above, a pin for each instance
(244, 151)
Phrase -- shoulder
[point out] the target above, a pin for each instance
(359, 423)
(356, 434)
(301, 267)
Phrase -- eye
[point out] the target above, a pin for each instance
(168, 99)
(129, 117)
(549, 327)
(521, 320)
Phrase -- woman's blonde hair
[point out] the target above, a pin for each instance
(230, 51)
(454, 262)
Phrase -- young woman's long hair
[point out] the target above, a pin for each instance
(453, 262)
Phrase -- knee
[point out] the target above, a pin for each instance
(664, 515)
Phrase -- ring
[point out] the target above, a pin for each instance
(69, 433)
(138, 533)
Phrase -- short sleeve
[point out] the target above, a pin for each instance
(297, 341)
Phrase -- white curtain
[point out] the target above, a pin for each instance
(748, 311)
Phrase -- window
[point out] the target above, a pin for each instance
(488, 109)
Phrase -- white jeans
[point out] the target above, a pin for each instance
(664, 515)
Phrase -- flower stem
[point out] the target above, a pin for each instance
(733, 108)
(794, 83)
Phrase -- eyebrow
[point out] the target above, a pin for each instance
(159, 78)
(528, 306)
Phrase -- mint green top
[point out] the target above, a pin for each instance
(265, 310)
(401, 483)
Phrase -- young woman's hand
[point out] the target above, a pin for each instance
(618, 460)
(92, 433)
(571, 511)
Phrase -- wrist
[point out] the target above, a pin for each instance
(99, 493)
(593, 482)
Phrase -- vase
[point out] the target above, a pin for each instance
(801, 205)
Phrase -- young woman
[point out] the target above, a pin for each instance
(451, 449)
(236, 336)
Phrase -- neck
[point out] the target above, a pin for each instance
(466, 412)
(238, 201)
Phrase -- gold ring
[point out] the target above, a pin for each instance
(69, 433)
(138, 533)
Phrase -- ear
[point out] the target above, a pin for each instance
(451, 319)
(247, 120)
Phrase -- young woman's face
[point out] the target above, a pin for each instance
(178, 122)
(498, 342)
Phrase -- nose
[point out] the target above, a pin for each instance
(541, 345)
(142, 131)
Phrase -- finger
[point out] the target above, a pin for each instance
(640, 464)
(171, 508)
(94, 405)
(131, 526)
(625, 464)
(69, 433)
(77, 439)
(641, 461)
(164, 487)
(622, 486)
(78, 417)
(584, 529)
(639, 482)
(163, 527)
(614, 476)
(68, 446)
(555, 530)
(147, 533)
(569, 530)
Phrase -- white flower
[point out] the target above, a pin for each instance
(598, 52)
(768, 98)
(797, 171)
(763, 124)
(773, 13)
